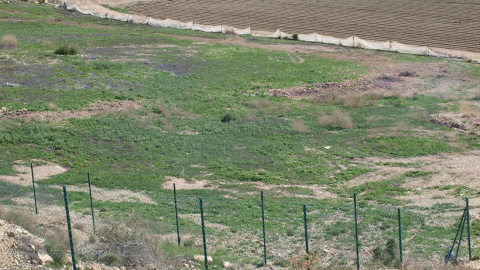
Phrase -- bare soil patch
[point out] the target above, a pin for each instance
(112, 195)
(183, 184)
(197, 220)
(318, 191)
(40, 172)
(108, 107)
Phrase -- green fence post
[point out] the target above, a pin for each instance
(65, 198)
(400, 236)
(468, 231)
(306, 227)
(33, 185)
(91, 201)
(462, 224)
(176, 212)
(264, 235)
(356, 230)
(203, 234)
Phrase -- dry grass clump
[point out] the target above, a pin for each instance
(9, 40)
(259, 104)
(469, 110)
(299, 126)
(162, 109)
(337, 119)
(168, 112)
(52, 106)
(353, 100)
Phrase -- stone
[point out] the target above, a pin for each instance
(227, 265)
(201, 258)
(44, 258)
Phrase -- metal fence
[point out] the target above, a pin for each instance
(263, 228)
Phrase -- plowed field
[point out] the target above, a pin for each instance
(449, 24)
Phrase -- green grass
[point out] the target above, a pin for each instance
(119, 9)
(198, 84)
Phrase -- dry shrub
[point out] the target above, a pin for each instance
(280, 110)
(376, 94)
(299, 126)
(259, 104)
(52, 106)
(353, 100)
(306, 261)
(130, 244)
(166, 124)
(476, 95)
(22, 219)
(469, 110)
(251, 117)
(45, 43)
(162, 109)
(327, 98)
(9, 40)
(422, 116)
(337, 119)
(79, 226)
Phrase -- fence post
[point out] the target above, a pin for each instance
(468, 231)
(33, 185)
(264, 235)
(356, 229)
(203, 234)
(400, 236)
(306, 227)
(91, 201)
(65, 198)
(176, 212)
(462, 224)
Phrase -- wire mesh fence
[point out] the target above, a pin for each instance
(253, 228)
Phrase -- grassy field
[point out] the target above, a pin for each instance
(203, 111)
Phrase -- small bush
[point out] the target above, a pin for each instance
(227, 118)
(57, 246)
(9, 40)
(92, 239)
(41, 1)
(295, 36)
(67, 49)
(299, 126)
(110, 259)
(337, 119)
(387, 255)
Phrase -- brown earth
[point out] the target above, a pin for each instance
(438, 23)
